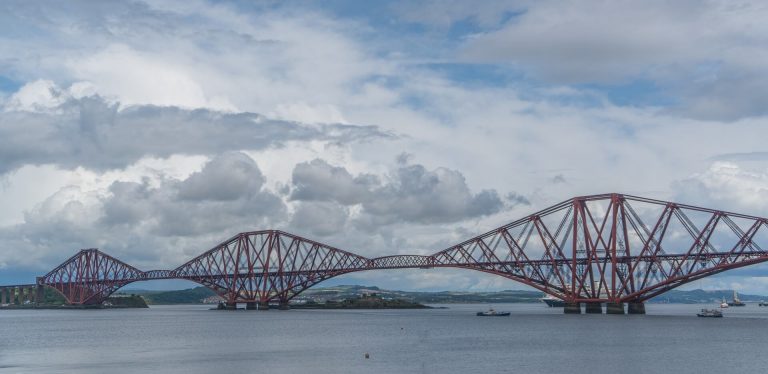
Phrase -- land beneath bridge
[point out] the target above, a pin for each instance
(322, 295)
(353, 296)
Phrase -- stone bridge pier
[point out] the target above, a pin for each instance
(21, 295)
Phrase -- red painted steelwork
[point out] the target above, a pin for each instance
(90, 276)
(600, 248)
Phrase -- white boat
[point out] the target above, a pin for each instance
(723, 304)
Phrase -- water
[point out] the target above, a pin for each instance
(535, 339)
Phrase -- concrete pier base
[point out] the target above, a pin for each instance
(231, 306)
(593, 308)
(3, 299)
(636, 308)
(614, 308)
(264, 305)
(40, 295)
(250, 306)
(284, 305)
(572, 308)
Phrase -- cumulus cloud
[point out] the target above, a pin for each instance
(728, 186)
(516, 199)
(429, 196)
(320, 218)
(411, 193)
(43, 124)
(140, 221)
(317, 180)
(225, 178)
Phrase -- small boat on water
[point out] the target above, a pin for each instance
(710, 313)
(763, 303)
(723, 304)
(492, 313)
(736, 301)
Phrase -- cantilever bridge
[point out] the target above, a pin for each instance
(611, 248)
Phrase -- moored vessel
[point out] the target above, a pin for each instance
(723, 304)
(492, 313)
(710, 313)
(736, 301)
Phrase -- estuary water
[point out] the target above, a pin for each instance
(534, 339)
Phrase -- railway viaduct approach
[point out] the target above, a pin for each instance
(616, 249)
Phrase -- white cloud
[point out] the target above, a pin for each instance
(38, 96)
(728, 186)
(134, 78)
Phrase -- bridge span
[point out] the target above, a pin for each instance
(616, 249)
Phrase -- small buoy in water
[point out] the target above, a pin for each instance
(367, 355)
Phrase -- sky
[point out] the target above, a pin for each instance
(155, 130)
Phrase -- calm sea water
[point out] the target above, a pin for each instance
(535, 339)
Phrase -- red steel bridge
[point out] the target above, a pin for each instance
(612, 248)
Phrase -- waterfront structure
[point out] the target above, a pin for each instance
(611, 249)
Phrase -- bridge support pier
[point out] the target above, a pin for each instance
(263, 305)
(40, 295)
(231, 305)
(284, 305)
(636, 308)
(614, 308)
(3, 299)
(572, 308)
(251, 305)
(594, 308)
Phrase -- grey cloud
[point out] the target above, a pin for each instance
(743, 156)
(93, 133)
(147, 222)
(226, 193)
(572, 43)
(318, 180)
(228, 177)
(557, 179)
(419, 195)
(516, 199)
(130, 203)
(708, 75)
(319, 218)
(730, 92)
(412, 193)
